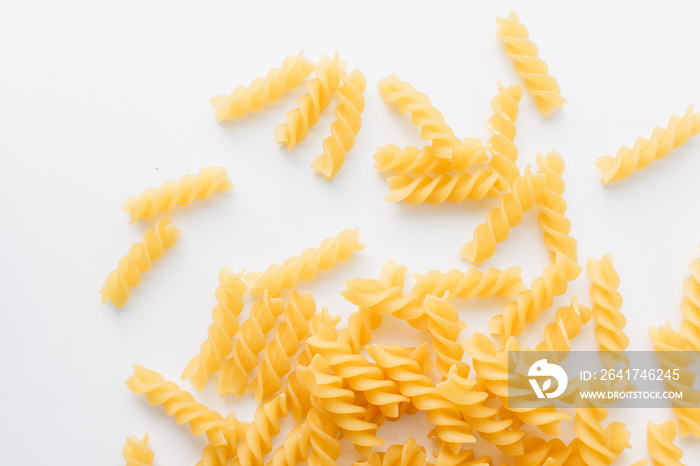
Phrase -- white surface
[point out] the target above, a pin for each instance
(100, 101)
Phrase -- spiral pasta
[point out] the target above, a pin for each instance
(598, 446)
(436, 189)
(346, 126)
(233, 378)
(528, 65)
(182, 192)
(423, 114)
(554, 452)
(179, 403)
(660, 443)
(502, 128)
(136, 452)
(220, 455)
(412, 160)
(473, 282)
(263, 90)
(218, 344)
(359, 329)
(325, 448)
(445, 457)
(258, 436)
(610, 322)
(138, 261)
(444, 326)
(567, 324)
(501, 219)
(310, 105)
(645, 151)
(408, 454)
(294, 449)
(307, 265)
(690, 306)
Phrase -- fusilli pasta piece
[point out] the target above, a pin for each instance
(346, 127)
(220, 455)
(138, 261)
(660, 443)
(690, 306)
(263, 90)
(310, 106)
(528, 65)
(408, 454)
(412, 160)
(359, 330)
(445, 457)
(436, 189)
(473, 282)
(567, 324)
(444, 326)
(645, 151)
(218, 344)
(136, 452)
(179, 403)
(258, 436)
(182, 192)
(596, 445)
(325, 448)
(294, 449)
(502, 128)
(305, 267)
(537, 451)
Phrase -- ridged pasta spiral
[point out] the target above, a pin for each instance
(471, 402)
(294, 449)
(220, 455)
(179, 403)
(538, 451)
(645, 151)
(673, 352)
(138, 261)
(501, 219)
(401, 364)
(307, 265)
(258, 436)
(690, 306)
(423, 114)
(444, 326)
(233, 378)
(358, 332)
(340, 403)
(436, 189)
(598, 446)
(136, 452)
(345, 128)
(528, 65)
(568, 321)
(288, 334)
(466, 285)
(502, 128)
(445, 457)
(660, 439)
(263, 90)
(310, 105)
(182, 192)
(610, 322)
(528, 305)
(412, 160)
(220, 334)
(408, 454)
(325, 447)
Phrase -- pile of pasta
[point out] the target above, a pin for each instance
(333, 380)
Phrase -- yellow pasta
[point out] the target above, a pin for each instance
(423, 161)
(218, 344)
(473, 282)
(307, 265)
(310, 105)
(501, 219)
(436, 189)
(568, 321)
(538, 451)
(220, 455)
(645, 151)
(294, 449)
(136, 452)
(502, 128)
(182, 192)
(138, 261)
(660, 443)
(408, 454)
(346, 126)
(528, 65)
(179, 403)
(445, 457)
(423, 114)
(258, 436)
(325, 448)
(359, 330)
(444, 326)
(690, 306)
(263, 90)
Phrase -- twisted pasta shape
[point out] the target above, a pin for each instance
(567, 324)
(610, 322)
(502, 128)
(305, 267)
(138, 261)
(310, 106)
(445, 457)
(401, 365)
(263, 90)
(258, 436)
(473, 282)
(220, 334)
(294, 449)
(690, 306)
(423, 114)
(220, 455)
(359, 330)
(182, 192)
(528, 65)
(251, 341)
(408, 454)
(412, 160)
(471, 402)
(346, 126)
(201, 419)
(501, 219)
(660, 443)
(284, 345)
(436, 189)
(645, 151)
(136, 452)
(528, 305)
(325, 448)
(444, 326)
(598, 446)
(554, 452)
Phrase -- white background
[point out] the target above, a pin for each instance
(102, 100)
